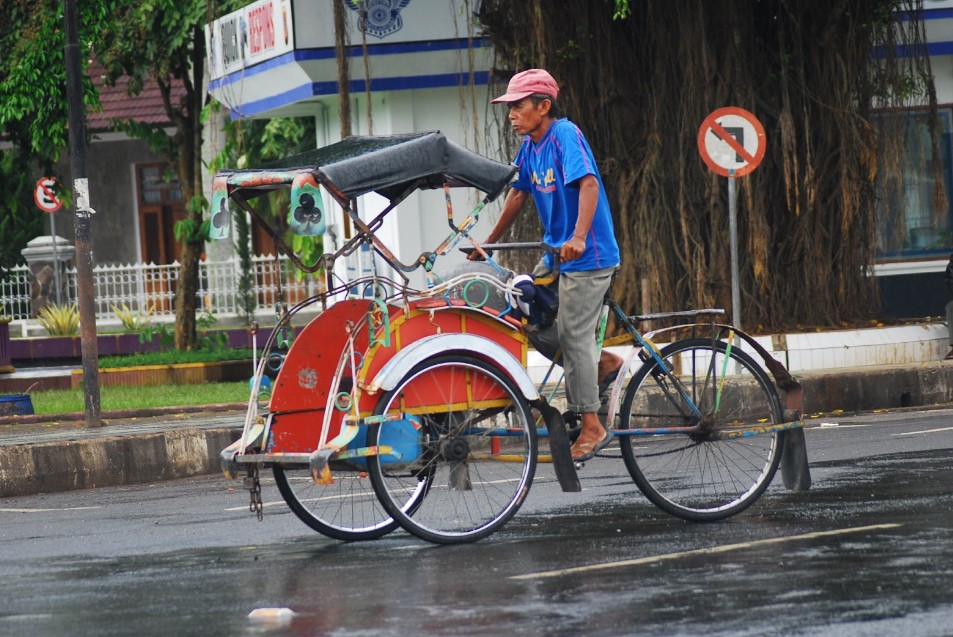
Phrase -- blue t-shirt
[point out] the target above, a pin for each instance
(550, 171)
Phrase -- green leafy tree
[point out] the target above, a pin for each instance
(33, 107)
(20, 221)
(162, 41)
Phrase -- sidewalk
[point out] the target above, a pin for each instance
(42, 456)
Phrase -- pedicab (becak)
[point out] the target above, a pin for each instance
(413, 407)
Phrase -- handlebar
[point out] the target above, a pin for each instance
(524, 245)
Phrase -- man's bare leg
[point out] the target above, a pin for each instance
(591, 436)
(608, 363)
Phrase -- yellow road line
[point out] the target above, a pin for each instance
(712, 551)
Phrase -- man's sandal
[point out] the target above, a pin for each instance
(590, 449)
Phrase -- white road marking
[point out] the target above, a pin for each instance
(825, 425)
(263, 504)
(925, 431)
(717, 549)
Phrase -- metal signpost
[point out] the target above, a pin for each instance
(731, 142)
(46, 201)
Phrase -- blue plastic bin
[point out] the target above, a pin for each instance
(16, 405)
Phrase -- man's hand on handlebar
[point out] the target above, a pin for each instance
(572, 249)
(474, 255)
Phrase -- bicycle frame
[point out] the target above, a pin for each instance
(677, 395)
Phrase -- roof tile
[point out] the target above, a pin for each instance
(146, 107)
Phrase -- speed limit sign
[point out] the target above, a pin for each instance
(44, 197)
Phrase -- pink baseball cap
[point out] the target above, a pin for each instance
(528, 83)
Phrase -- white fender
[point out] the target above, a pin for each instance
(479, 346)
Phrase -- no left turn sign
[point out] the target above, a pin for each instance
(731, 141)
(44, 197)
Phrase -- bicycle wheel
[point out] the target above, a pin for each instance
(472, 437)
(346, 510)
(714, 472)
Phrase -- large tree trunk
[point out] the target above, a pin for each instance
(640, 88)
(189, 138)
(186, 292)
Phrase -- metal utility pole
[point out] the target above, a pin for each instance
(84, 242)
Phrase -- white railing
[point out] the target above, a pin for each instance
(15, 292)
(140, 286)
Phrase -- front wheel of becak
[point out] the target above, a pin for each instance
(461, 426)
(723, 466)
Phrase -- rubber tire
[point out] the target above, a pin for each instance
(487, 516)
(701, 480)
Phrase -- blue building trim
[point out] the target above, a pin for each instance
(907, 50)
(928, 14)
(306, 55)
(316, 89)
(932, 48)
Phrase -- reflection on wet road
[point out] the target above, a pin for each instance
(867, 551)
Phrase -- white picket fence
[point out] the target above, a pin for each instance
(140, 286)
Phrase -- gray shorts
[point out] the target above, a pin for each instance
(580, 305)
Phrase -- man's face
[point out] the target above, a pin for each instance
(527, 118)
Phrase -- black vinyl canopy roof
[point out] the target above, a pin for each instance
(387, 165)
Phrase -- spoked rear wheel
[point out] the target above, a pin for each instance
(723, 467)
(464, 425)
(346, 510)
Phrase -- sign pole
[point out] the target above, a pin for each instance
(56, 259)
(45, 198)
(735, 269)
(731, 142)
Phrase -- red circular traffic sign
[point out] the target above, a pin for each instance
(731, 141)
(44, 196)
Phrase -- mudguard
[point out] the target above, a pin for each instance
(479, 346)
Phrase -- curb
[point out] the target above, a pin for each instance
(867, 389)
(78, 416)
(29, 469)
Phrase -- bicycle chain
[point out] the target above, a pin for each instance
(253, 485)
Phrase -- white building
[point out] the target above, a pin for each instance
(425, 70)
(914, 256)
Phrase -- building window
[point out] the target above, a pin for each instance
(160, 206)
(910, 223)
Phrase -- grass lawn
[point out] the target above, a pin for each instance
(114, 398)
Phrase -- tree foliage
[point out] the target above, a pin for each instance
(159, 41)
(163, 41)
(640, 77)
(20, 221)
(33, 105)
(33, 108)
(256, 142)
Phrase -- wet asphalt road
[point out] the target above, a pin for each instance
(868, 551)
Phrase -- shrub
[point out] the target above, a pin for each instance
(172, 357)
(59, 320)
(134, 321)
